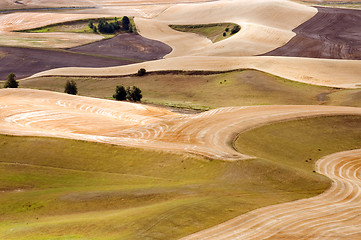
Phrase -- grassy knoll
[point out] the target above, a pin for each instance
(212, 31)
(78, 26)
(65, 189)
(300, 143)
(350, 97)
(237, 88)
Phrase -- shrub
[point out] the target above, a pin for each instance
(141, 72)
(70, 87)
(134, 94)
(120, 93)
(125, 23)
(235, 29)
(227, 29)
(224, 34)
(90, 24)
(11, 82)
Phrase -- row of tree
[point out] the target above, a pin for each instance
(133, 94)
(111, 27)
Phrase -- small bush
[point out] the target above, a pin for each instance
(141, 72)
(90, 24)
(134, 94)
(70, 87)
(11, 82)
(235, 29)
(120, 93)
(224, 34)
(226, 30)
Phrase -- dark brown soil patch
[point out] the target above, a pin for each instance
(332, 33)
(120, 50)
(27, 61)
(127, 46)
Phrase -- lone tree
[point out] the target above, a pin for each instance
(11, 82)
(70, 87)
(90, 24)
(125, 23)
(141, 72)
(134, 94)
(120, 93)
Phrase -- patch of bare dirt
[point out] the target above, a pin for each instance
(332, 33)
(127, 46)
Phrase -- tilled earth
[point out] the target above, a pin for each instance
(332, 33)
(127, 46)
(120, 50)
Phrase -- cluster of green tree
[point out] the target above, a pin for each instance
(234, 30)
(133, 94)
(11, 82)
(111, 27)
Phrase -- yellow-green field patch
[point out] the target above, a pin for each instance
(198, 91)
(65, 189)
(215, 32)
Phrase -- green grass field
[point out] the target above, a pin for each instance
(78, 26)
(300, 143)
(212, 31)
(237, 88)
(64, 189)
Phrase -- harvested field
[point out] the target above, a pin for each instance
(150, 173)
(126, 45)
(332, 215)
(333, 33)
(323, 72)
(122, 50)
(27, 61)
(47, 40)
(202, 92)
(23, 4)
(208, 134)
(42, 113)
(265, 25)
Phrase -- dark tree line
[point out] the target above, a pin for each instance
(111, 27)
(133, 94)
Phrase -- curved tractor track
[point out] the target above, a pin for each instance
(42, 113)
(335, 214)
